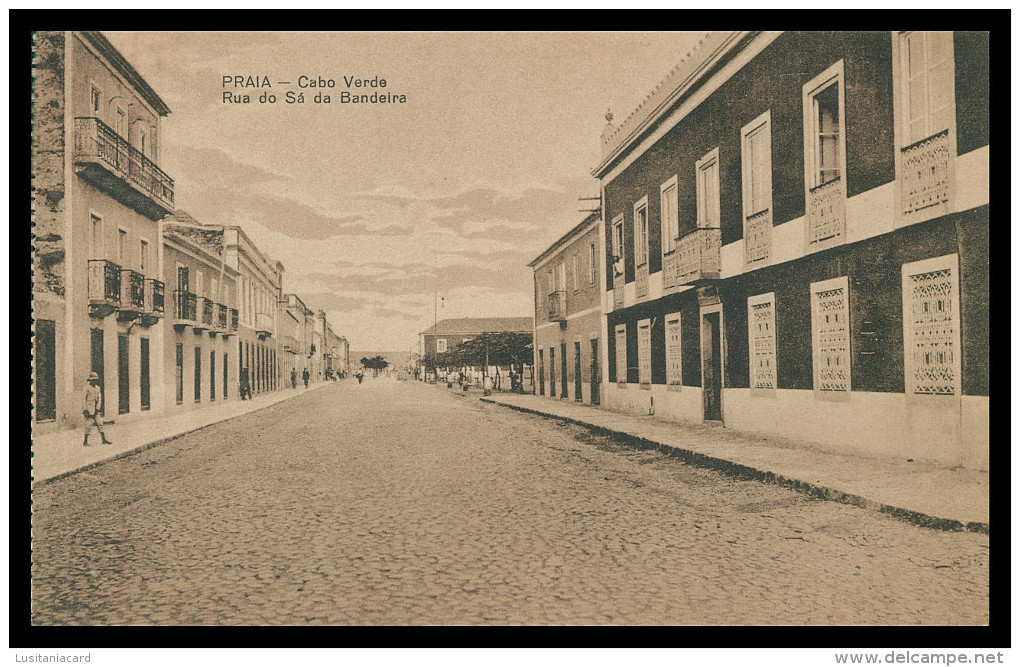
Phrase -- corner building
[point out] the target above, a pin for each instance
(99, 198)
(568, 313)
(796, 234)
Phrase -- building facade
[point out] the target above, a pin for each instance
(568, 315)
(796, 233)
(199, 355)
(99, 198)
(447, 334)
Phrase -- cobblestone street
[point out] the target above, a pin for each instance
(398, 503)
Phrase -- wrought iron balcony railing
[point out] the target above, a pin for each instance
(149, 189)
(185, 307)
(234, 320)
(155, 292)
(221, 317)
(206, 313)
(132, 292)
(104, 287)
(698, 256)
(558, 306)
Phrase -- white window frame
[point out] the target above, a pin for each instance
(641, 249)
(123, 236)
(678, 375)
(621, 354)
(709, 159)
(834, 74)
(769, 392)
(762, 121)
(669, 229)
(95, 99)
(901, 122)
(951, 262)
(593, 254)
(618, 249)
(119, 114)
(573, 279)
(644, 353)
(96, 252)
(440, 345)
(824, 286)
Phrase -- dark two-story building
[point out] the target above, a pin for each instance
(796, 235)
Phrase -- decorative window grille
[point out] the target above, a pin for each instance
(674, 376)
(761, 318)
(644, 346)
(931, 303)
(825, 158)
(830, 332)
(621, 355)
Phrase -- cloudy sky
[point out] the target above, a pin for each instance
(374, 208)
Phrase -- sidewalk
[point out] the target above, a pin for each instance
(922, 493)
(57, 455)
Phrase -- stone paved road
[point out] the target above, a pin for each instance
(402, 504)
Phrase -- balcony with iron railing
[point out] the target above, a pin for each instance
(698, 256)
(234, 320)
(152, 311)
(107, 160)
(263, 325)
(104, 287)
(558, 306)
(222, 318)
(185, 308)
(132, 294)
(205, 314)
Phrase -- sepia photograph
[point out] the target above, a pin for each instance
(510, 328)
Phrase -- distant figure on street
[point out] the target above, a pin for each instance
(305, 376)
(93, 402)
(245, 384)
(293, 378)
(360, 375)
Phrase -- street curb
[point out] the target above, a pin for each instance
(742, 471)
(161, 441)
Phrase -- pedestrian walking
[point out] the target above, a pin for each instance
(91, 405)
(245, 385)
(360, 375)
(304, 376)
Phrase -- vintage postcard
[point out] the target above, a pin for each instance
(510, 328)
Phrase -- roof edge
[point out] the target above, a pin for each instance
(121, 64)
(576, 230)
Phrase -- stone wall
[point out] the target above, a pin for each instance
(48, 145)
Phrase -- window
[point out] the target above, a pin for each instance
(96, 243)
(830, 337)
(199, 279)
(180, 373)
(761, 320)
(212, 375)
(825, 157)
(121, 122)
(618, 248)
(674, 376)
(757, 166)
(592, 269)
(123, 375)
(926, 62)
(122, 236)
(441, 345)
(669, 215)
(707, 184)
(561, 276)
(95, 100)
(644, 351)
(144, 375)
(641, 232)
(931, 327)
(575, 281)
(44, 351)
(756, 171)
(143, 255)
(925, 111)
(621, 355)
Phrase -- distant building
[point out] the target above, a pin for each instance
(796, 231)
(447, 334)
(568, 315)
